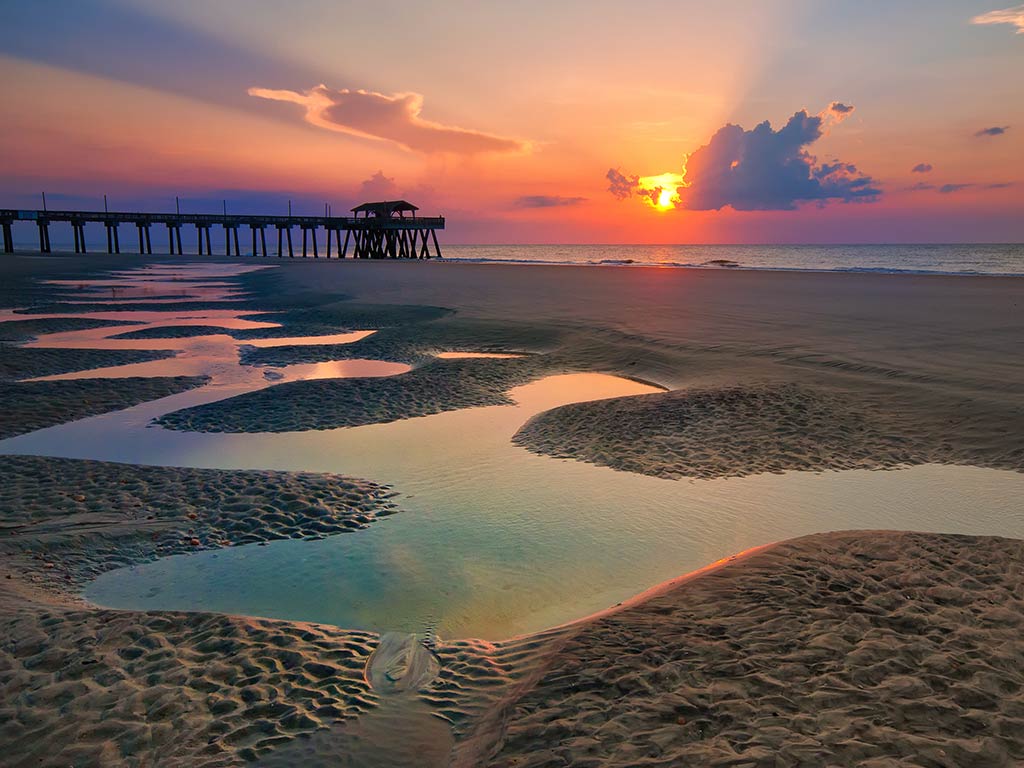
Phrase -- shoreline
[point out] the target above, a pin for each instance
(630, 263)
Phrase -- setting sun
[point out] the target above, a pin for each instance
(662, 191)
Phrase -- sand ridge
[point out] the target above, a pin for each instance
(737, 431)
(77, 518)
(853, 648)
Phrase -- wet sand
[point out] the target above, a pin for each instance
(863, 648)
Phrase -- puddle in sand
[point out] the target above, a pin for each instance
(161, 284)
(214, 355)
(303, 341)
(492, 540)
(472, 355)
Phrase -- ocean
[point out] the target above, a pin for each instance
(961, 259)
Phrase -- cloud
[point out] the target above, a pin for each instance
(993, 131)
(765, 169)
(949, 189)
(378, 187)
(395, 118)
(921, 168)
(547, 201)
(620, 185)
(840, 109)
(1013, 16)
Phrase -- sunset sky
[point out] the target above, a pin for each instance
(590, 122)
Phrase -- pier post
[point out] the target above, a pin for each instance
(234, 231)
(263, 239)
(142, 242)
(74, 231)
(291, 253)
(209, 248)
(8, 238)
(227, 239)
(305, 232)
(110, 239)
(44, 237)
(437, 247)
(252, 227)
(328, 241)
(280, 239)
(117, 240)
(177, 235)
(344, 251)
(149, 242)
(312, 233)
(81, 236)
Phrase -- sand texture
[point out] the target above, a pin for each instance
(125, 688)
(34, 405)
(25, 363)
(172, 332)
(24, 330)
(866, 649)
(747, 430)
(79, 518)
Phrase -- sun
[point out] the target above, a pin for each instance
(662, 191)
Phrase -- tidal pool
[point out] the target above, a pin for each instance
(492, 540)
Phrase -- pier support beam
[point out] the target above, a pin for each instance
(174, 238)
(231, 232)
(113, 239)
(44, 237)
(8, 238)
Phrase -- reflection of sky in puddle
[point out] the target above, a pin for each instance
(492, 540)
(302, 341)
(472, 355)
(156, 283)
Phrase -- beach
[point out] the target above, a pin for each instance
(856, 647)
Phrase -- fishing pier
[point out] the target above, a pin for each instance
(382, 230)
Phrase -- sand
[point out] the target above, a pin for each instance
(859, 648)
(870, 649)
(37, 404)
(24, 363)
(25, 330)
(79, 518)
(82, 686)
(736, 431)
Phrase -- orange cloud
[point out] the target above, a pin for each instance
(394, 118)
(1013, 16)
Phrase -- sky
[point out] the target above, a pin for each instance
(742, 121)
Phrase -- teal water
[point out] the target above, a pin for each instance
(492, 540)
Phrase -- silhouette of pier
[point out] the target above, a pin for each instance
(379, 230)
